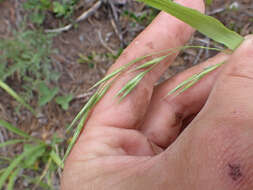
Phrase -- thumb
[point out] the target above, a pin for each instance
(233, 91)
(216, 149)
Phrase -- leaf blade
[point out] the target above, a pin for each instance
(11, 142)
(206, 25)
(14, 129)
(12, 179)
(56, 158)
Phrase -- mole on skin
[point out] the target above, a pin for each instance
(234, 171)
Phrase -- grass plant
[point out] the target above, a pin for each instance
(35, 151)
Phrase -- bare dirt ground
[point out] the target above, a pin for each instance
(97, 36)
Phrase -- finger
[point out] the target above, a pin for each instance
(163, 33)
(165, 116)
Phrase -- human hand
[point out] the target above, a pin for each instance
(137, 144)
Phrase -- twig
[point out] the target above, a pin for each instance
(207, 50)
(84, 95)
(201, 51)
(205, 41)
(216, 11)
(248, 13)
(115, 23)
(44, 173)
(83, 16)
(2, 141)
(114, 11)
(19, 18)
(237, 5)
(104, 44)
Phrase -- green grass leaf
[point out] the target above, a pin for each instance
(11, 142)
(7, 159)
(58, 8)
(31, 159)
(56, 158)
(16, 162)
(12, 179)
(15, 96)
(36, 181)
(206, 25)
(209, 2)
(14, 129)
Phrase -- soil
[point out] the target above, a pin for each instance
(85, 40)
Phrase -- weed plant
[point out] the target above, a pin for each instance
(39, 8)
(25, 59)
(35, 153)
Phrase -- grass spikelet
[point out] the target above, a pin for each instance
(185, 85)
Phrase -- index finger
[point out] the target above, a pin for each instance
(164, 32)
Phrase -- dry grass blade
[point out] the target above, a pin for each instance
(11, 142)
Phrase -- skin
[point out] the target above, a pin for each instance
(139, 144)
